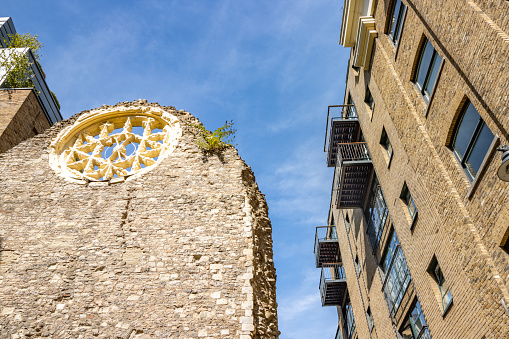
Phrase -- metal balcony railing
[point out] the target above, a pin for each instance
(342, 126)
(352, 175)
(352, 151)
(332, 284)
(332, 272)
(326, 245)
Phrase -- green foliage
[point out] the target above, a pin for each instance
(217, 140)
(17, 63)
(56, 100)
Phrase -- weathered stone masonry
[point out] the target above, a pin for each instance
(182, 251)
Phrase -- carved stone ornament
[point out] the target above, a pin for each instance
(113, 143)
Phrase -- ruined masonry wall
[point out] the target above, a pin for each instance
(183, 251)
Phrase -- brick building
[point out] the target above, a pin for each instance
(116, 225)
(417, 241)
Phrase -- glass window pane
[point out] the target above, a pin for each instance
(397, 27)
(432, 75)
(424, 64)
(466, 129)
(389, 149)
(446, 299)
(395, 17)
(479, 150)
(417, 320)
(411, 206)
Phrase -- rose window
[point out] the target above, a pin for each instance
(114, 143)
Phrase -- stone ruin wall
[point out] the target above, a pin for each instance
(183, 251)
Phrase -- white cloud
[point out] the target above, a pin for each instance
(300, 313)
(301, 184)
(296, 306)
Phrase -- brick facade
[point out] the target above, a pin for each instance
(460, 222)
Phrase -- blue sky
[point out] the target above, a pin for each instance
(271, 66)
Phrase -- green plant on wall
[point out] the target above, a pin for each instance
(218, 140)
(18, 63)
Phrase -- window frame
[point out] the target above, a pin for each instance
(397, 23)
(371, 321)
(349, 319)
(462, 159)
(358, 267)
(400, 280)
(407, 199)
(351, 111)
(376, 214)
(505, 244)
(385, 142)
(348, 223)
(439, 279)
(410, 324)
(422, 88)
(369, 100)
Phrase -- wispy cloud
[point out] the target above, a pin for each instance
(301, 184)
(296, 306)
(300, 313)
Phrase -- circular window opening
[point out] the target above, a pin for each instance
(107, 144)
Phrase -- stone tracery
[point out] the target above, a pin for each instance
(125, 142)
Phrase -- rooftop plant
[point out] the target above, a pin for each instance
(17, 63)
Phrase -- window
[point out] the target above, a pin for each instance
(358, 267)
(471, 140)
(331, 233)
(371, 322)
(506, 246)
(369, 99)
(397, 14)
(415, 325)
(347, 223)
(395, 272)
(427, 69)
(350, 110)
(386, 143)
(338, 333)
(349, 321)
(443, 287)
(505, 241)
(409, 202)
(376, 213)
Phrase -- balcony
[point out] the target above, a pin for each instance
(354, 170)
(326, 245)
(332, 284)
(342, 127)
